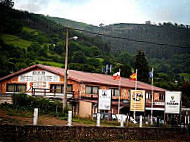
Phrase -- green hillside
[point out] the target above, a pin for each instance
(33, 38)
(73, 24)
(166, 59)
(15, 40)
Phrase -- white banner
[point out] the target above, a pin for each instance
(172, 102)
(104, 99)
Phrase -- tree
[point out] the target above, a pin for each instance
(79, 57)
(7, 3)
(142, 66)
(125, 69)
(186, 94)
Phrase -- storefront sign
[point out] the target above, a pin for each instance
(104, 99)
(137, 101)
(172, 102)
(38, 79)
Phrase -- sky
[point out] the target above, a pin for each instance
(111, 11)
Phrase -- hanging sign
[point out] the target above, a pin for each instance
(137, 100)
(104, 99)
(172, 102)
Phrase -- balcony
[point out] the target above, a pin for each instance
(50, 93)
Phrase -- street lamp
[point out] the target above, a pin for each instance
(66, 67)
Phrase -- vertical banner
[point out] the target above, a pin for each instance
(104, 99)
(137, 101)
(172, 102)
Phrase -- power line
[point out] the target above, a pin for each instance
(116, 37)
(133, 40)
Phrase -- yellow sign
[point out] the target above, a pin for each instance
(137, 101)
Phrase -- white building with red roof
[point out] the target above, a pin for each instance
(82, 90)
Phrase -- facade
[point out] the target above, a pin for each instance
(82, 89)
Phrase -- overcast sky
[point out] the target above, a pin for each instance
(111, 11)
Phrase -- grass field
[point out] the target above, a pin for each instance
(186, 76)
(50, 63)
(15, 40)
(30, 30)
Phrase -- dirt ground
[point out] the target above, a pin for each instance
(42, 120)
(47, 120)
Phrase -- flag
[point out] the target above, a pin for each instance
(133, 76)
(116, 75)
(151, 74)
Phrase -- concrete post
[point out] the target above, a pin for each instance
(98, 119)
(69, 123)
(140, 124)
(122, 123)
(35, 118)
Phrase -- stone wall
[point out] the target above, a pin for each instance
(56, 133)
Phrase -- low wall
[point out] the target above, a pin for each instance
(56, 133)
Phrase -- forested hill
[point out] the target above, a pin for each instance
(166, 33)
(27, 39)
(73, 24)
(172, 57)
(162, 34)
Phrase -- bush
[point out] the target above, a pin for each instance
(45, 106)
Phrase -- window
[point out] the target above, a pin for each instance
(92, 89)
(57, 88)
(148, 95)
(69, 87)
(16, 88)
(161, 97)
(114, 91)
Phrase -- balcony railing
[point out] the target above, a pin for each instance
(50, 93)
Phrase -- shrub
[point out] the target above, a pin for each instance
(45, 106)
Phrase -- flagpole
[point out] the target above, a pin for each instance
(119, 92)
(152, 98)
(135, 95)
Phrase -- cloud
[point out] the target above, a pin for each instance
(31, 5)
(111, 11)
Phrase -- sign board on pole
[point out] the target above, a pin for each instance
(137, 101)
(172, 102)
(104, 100)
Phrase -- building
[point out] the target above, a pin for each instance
(47, 81)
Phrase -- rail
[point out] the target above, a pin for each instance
(51, 93)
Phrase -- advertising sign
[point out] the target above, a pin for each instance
(172, 102)
(104, 100)
(38, 78)
(137, 101)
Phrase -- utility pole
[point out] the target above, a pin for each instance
(65, 71)
(152, 98)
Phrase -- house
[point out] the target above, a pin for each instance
(82, 88)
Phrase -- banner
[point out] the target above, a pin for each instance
(133, 76)
(137, 101)
(116, 76)
(172, 102)
(104, 99)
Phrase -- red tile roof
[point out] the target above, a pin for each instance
(85, 77)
